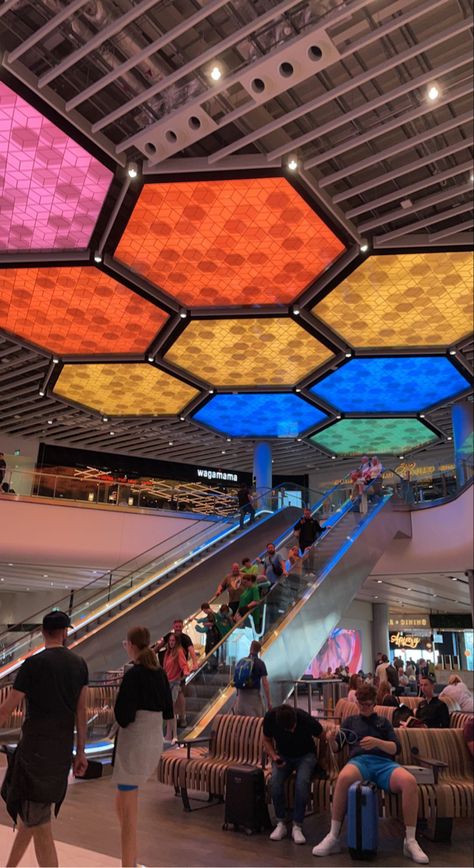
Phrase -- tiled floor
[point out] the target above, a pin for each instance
(87, 832)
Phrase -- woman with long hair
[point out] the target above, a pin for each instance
(143, 701)
(176, 667)
(385, 696)
(355, 681)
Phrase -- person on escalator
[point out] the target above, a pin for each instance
(208, 626)
(250, 600)
(176, 667)
(307, 530)
(188, 647)
(232, 583)
(274, 565)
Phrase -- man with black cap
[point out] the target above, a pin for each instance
(54, 685)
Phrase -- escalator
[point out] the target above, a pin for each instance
(299, 612)
(152, 590)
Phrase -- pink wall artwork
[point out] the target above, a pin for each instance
(51, 189)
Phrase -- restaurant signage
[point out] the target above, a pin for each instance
(409, 619)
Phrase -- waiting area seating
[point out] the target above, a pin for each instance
(236, 740)
(457, 718)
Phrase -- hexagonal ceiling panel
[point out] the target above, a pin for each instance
(247, 352)
(76, 310)
(403, 300)
(234, 242)
(124, 389)
(372, 436)
(51, 189)
(391, 385)
(259, 415)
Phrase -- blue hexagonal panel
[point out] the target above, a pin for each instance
(255, 414)
(391, 385)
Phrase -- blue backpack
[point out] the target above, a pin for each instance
(243, 675)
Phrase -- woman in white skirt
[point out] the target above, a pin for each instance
(143, 702)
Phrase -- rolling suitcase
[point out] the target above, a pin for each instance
(363, 820)
(245, 806)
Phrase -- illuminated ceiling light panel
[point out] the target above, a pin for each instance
(403, 300)
(247, 352)
(259, 415)
(391, 385)
(374, 436)
(124, 389)
(51, 189)
(234, 242)
(76, 310)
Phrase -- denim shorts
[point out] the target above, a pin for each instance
(377, 769)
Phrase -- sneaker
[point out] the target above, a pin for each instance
(297, 834)
(328, 845)
(412, 850)
(280, 831)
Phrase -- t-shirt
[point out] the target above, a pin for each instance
(268, 562)
(357, 726)
(259, 671)
(231, 584)
(296, 743)
(309, 530)
(461, 694)
(52, 681)
(249, 595)
(146, 689)
(243, 496)
(433, 712)
(381, 672)
(252, 570)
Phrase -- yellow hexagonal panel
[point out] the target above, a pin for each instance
(403, 300)
(124, 389)
(247, 352)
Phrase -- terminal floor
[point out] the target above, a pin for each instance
(87, 832)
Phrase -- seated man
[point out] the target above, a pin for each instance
(289, 739)
(372, 746)
(432, 710)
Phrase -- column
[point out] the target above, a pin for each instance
(470, 577)
(380, 629)
(462, 418)
(262, 472)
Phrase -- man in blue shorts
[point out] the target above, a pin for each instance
(372, 748)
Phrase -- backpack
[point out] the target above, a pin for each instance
(243, 675)
(277, 567)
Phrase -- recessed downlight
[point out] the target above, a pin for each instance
(216, 72)
(433, 92)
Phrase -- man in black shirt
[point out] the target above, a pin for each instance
(432, 710)
(307, 529)
(289, 739)
(373, 745)
(245, 504)
(54, 685)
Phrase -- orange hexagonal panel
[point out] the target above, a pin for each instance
(76, 310)
(248, 352)
(403, 300)
(122, 389)
(233, 242)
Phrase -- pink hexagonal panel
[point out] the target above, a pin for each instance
(51, 189)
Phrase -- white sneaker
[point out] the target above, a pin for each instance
(412, 850)
(330, 844)
(280, 831)
(297, 834)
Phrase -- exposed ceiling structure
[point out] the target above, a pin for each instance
(418, 592)
(220, 197)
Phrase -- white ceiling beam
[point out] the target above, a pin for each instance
(119, 24)
(44, 31)
(395, 150)
(340, 90)
(410, 188)
(7, 5)
(411, 228)
(378, 180)
(209, 55)
(167, 38)
(419, 205)
(452, 230)
(354, 141)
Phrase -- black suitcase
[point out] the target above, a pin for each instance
(245, 806)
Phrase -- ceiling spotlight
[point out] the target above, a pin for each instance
(55, 361)
(50, 421)
(292, 164)
(338, 416)
(364, 247)
(183, 314)
(297, 389)
(422, 415)
(182, 419)
(296, 310)
(151, 358)
(433, 92)
(222, 451)
(41, 393)
(376, 596)
(170, 443)
(348, 355)
(229, 439)
(299, 439)
(380, 581)
(132, 170)
(452, 352)
(112, 433)
(216, 73)
(401, 456)
(97, 256)
(453, 579)
(471, 177)
(105, 418)
(211, 391)
(449, 438)
(333, 457)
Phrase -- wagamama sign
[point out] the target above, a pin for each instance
(204, 473)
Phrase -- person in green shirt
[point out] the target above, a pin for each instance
(224, 619)
(250, 599)
(250, 569)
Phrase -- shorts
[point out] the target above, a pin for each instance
(175, 687)
(34, 813)
(377, 769)
(126, 788)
